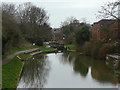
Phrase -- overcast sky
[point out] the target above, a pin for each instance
(60, 10)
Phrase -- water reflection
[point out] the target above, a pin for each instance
(80, 67)
(102, 73)
(99, 70)
(35, 72)
(66, 70)
(67, 57)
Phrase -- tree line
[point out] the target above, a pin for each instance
(28, 23)
(24, 24)
(75, 32)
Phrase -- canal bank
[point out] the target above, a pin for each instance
(21, 69)
(32, 53)
(98, 50)
(11, 71)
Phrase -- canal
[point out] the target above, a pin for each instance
(66, 70)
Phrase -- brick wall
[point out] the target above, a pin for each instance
(116, 30)
(96, 32)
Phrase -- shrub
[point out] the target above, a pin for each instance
(117, 65)
(87, 48)
(82, 36)
(117, 47)
(97, 49)
(90, 48)
(106, 48)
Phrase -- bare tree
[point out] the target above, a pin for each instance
(25, 22)
(110, 10)
(69, 20)
(9, 8)
(32, 14)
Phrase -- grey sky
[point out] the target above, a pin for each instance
(60, 10)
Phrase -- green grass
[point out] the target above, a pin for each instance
(16, 50)
(42, 48)
(11, 71)
(24, 56)
(0, 77)
(71, 47)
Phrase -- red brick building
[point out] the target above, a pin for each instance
(105, 29)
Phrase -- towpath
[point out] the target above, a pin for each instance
(10, 57)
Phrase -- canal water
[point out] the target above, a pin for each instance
(66, 70)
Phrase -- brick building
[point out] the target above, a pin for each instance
(105, 29)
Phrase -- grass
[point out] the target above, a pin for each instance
(16, 50)
(42, 48)
(0, 77)
(24, 56)
(71, 47)
(11, 71)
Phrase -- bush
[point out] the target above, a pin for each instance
(11, 34)
(117, 65)
(95, 49)
(91, 48)
(117, 47)
(99, 50)
(105, 49)
(39, 43)
(82, 35)
(87, 48)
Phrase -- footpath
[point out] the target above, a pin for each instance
(10, 57)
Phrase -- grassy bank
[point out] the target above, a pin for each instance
(42, 48)
(11, 71)
(16, 49)
(71, 47)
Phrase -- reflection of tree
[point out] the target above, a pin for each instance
(87, 61)
(99, 70)
(35, 72)
(67, 57)
(80, 67)
(102, 73)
